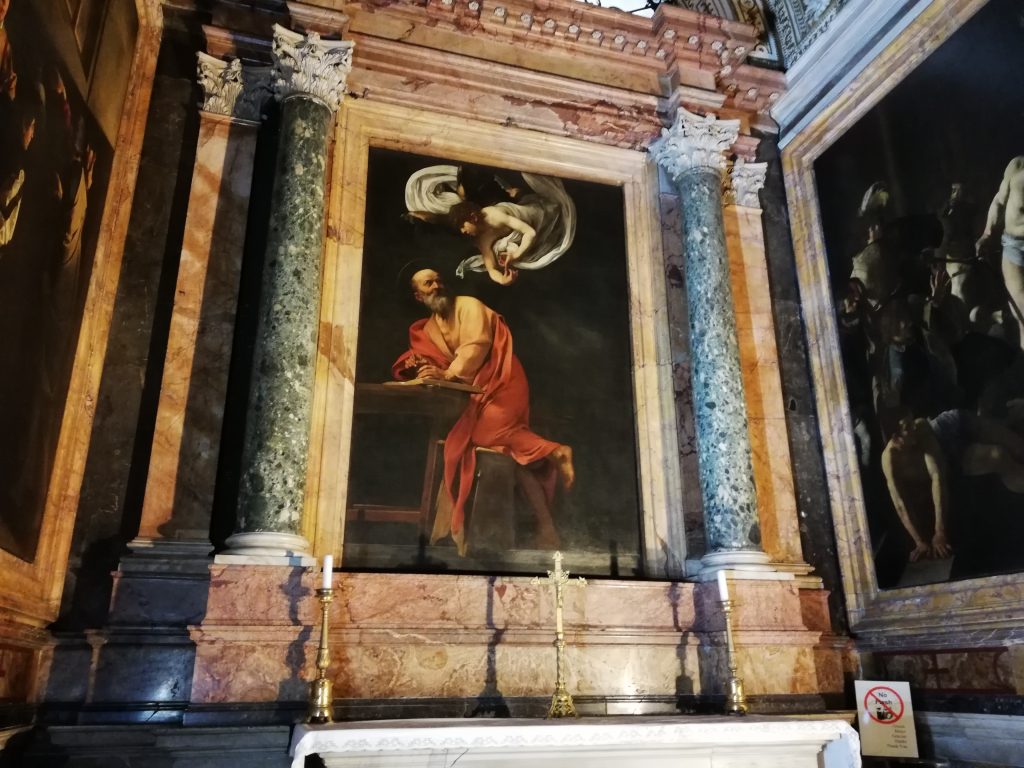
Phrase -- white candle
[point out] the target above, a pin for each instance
(723, 586)
(329, 571)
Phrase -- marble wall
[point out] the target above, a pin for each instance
(457, 636)
(811, 492)
(116, 471)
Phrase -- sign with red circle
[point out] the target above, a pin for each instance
(883, 705)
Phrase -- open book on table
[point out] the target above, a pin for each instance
(441, 383)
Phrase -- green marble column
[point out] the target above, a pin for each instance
(693, 151)
(309, 80)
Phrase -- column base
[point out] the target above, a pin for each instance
(266, 548)
(751, 563)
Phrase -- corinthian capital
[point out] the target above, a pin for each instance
(694, 142)
(309, 65)
(743, 183)
(232, 90)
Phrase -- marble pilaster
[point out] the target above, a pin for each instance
(759, 361)
(693, 151)
(186, 440)
(161, 585)
(309, 78)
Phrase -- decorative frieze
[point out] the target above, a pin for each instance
(231, 89)
(308, 65)
(694, 142)
(743, 182)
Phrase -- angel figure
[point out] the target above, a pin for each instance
(511, 227)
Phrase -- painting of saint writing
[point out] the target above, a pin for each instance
(924, 227)
(493, 408)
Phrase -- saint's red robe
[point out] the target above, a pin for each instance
(497, 419)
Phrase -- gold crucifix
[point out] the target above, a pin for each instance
(561, 701)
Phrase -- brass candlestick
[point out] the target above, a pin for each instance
(561, 701)
(321, 697)
(736, 700)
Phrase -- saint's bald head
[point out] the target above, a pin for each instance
(428, 289)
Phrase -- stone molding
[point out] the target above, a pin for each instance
(743, 182)
(266, 548)
(305, 64)
(231, 89)
(695, 142)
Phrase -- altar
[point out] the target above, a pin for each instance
(648, 742)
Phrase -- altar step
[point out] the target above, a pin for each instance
(162, 746)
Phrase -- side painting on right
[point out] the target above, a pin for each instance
(922, 206)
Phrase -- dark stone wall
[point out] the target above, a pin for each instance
(816, 532)
(115, 472)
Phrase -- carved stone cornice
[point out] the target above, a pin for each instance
(694, 142)
(232, 90)
(305, 64)
(743, 182)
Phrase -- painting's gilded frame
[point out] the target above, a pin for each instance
(943, 612)
(30, 592)
(362, 125)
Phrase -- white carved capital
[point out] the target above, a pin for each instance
(694, 142)
(306, 64)
(743, 183)
(232, 90)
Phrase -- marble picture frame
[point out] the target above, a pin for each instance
(946, 611)
(362, 125)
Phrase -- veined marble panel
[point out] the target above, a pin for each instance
(17, 666)
(459, 636)
(961, 670)
(186, 440)
(766, 418)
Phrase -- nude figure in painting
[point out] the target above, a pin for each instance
(1006, 213)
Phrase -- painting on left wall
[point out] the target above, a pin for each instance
(58, 102)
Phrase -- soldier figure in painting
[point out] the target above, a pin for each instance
(465, 341)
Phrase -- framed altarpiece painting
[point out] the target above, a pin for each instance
(572, 444)
(907, 204)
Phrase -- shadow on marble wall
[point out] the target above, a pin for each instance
(817, 535)
(115, 474)
(296, 686)
(687, 639)
(491, 702)
(229, 467)
(679, 339)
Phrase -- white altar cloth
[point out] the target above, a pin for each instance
(606, 742)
